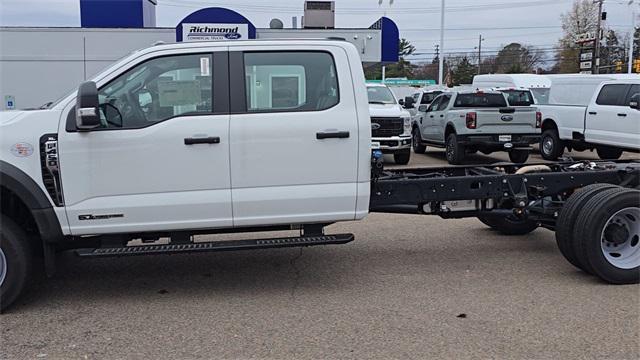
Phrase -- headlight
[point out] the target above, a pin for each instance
(407, 125)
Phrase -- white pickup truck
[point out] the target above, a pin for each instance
(587, 113)
(181, 140)
(390, 123)
(470, 121)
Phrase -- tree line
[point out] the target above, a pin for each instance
(459, 68)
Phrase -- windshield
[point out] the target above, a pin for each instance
(480, 100)
(428, 98)
(519, 97)
(380, 95)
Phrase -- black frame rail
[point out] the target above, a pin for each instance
(518, 186)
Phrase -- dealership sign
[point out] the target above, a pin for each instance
(214, 32)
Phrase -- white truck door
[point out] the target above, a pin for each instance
(160, 160)
(294, 135)
(609, 118)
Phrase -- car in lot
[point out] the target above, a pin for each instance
(591, 112)
(390, 123)
(421, 101)
(470, 121)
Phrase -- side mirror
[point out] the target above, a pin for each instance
(409, 101)
(423, 108)
(635, 102)
(87, 114)
(401, 102)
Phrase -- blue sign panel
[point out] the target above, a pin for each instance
(116, 14)
(390, 39)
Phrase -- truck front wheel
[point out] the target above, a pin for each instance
(608, 153)
(418, 148)
(15, 261)
(519, 156)
(551, 147)
(454, 151)
(402, 158)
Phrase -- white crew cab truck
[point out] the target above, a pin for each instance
(470, 121)
(591, 111)
(390, 123)
(187, 139)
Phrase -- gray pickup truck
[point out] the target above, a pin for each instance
(467, 122)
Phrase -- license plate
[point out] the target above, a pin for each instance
(504, 138)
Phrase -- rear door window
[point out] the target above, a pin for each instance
(519, 97)
(635, 90)
(612, 95)
(290, 81)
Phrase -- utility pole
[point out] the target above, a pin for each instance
(480, 40)
(441, 63)
(596, 61)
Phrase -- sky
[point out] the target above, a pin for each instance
(531, 22)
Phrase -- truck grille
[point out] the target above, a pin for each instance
(387, 126)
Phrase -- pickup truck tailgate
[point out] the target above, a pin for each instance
(518, 120)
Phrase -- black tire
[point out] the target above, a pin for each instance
(590, 228)
(508, 225)
(568, 217)
(416, 142)
(18, 259)
(454, 151)
(519, 156)
(551, 147)
(402, 158)
(608, 153)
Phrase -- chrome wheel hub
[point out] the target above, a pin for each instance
(620, 239)
(3, 267)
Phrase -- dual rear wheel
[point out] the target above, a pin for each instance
(598, 231)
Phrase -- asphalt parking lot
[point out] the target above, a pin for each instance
(408, 287)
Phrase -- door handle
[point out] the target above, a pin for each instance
(593, 113)
(332, 135)
(204, 140)
(431, 116)
(622, 114)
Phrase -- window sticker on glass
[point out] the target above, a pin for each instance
(204, 66)
(180, 92)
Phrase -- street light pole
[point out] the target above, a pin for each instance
(441, 64)
(631, 37)
(480, 53)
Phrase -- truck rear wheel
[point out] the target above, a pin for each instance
(519, 156)
(416, 142)
(607, 236)
(454, 151)
(568, 217)
(509, 225)
(551, 147)
(15, 262)
(608, 153)
(402, 158)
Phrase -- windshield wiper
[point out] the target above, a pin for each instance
(378, 102)
(46, 105)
